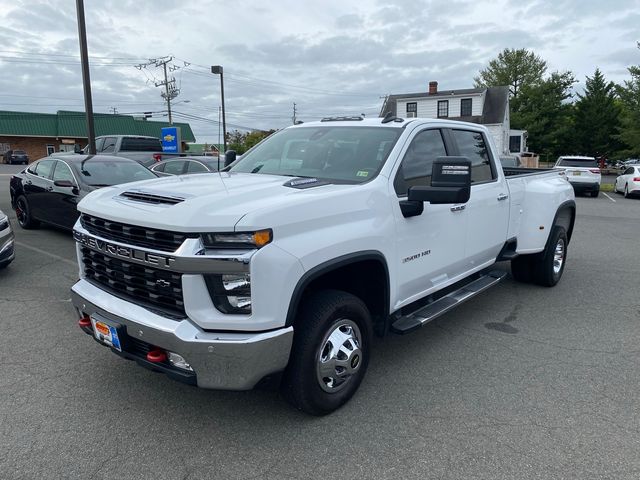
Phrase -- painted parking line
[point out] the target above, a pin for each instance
(609, 197)
(49, 254)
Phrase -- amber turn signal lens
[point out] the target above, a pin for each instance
(262, 237)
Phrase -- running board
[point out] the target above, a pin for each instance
(424, 315)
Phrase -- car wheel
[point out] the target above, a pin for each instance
(549, 266)
(626, 191)
(23, 212)
(521, 268)
(595, 193)
(330, 354)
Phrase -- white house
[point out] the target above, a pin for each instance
(487, 106)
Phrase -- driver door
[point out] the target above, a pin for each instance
(430, 246)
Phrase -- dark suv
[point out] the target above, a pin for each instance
(16, 156)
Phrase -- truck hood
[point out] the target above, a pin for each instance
(196, 203)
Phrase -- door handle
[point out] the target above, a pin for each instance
(502, 196)
(458, 208)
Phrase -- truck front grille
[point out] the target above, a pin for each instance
(163, 240)
(156, 289)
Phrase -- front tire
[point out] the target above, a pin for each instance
(23, 212)
(549, 266)
(626, 191)
(595, 193)
(330, 354)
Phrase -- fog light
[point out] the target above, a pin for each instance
(178, 361)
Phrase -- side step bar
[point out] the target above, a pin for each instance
(424, 315)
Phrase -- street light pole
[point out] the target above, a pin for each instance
(217, 69)
(86, 80)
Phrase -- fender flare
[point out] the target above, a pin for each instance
(569, 204)
(329, 266)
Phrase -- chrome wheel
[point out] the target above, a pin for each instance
(558, 256)
(340, 356)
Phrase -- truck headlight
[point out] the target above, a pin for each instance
(230, 293)
(256, 239)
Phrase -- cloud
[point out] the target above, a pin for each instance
(330, 57)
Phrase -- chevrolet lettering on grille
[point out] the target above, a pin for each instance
(123, 252)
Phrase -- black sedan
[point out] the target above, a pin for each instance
(49, 189)
(187, 165)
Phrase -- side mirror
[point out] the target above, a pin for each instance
(64, 183)
(229, 157)
(450, 182)
(77, 148)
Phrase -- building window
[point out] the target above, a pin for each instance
(443, 108)
(465, 107)
(514, 143)
(412, 110)
(51, 149)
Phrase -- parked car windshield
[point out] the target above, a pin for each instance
(578, 162)
(345, 154)
(18, 152)
(109, 172)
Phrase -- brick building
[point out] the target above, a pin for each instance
(41, 134)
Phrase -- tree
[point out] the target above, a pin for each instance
(235, 141)
(255, 137)
(630, 118)
(597, 118)
(515, 68)
(546, 114)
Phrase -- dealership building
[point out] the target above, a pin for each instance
(41, 134)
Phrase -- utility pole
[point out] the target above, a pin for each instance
(166, 90)
(218, 70)
(86, 79)
(171, 91)
(114, 110)
(294, 113)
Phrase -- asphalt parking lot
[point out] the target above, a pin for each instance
(521, 382)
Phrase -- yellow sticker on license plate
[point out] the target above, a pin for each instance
(106, 334)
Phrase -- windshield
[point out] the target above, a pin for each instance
(346, 154)
(18, 152)
(109, 172)
(578, 162)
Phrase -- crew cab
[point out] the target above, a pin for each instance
(289, 260)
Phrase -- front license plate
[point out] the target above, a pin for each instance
(106, 334)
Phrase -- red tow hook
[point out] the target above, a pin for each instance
(157, 356)
(84, 322)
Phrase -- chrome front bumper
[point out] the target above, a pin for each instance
(220, 360)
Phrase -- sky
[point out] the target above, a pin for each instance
(333, 57)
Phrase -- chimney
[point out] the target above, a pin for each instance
(433, 88)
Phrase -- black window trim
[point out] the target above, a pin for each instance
(438, 109)
(444, 132)
(414, 104)
(470, 109)
(492, 161)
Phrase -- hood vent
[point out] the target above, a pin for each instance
(304, 182)
(138, 196)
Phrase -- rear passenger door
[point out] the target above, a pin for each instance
(488, 207)
(38, 186)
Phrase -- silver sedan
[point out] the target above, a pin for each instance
(6, 241)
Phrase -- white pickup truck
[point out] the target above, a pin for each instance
(285, 264)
